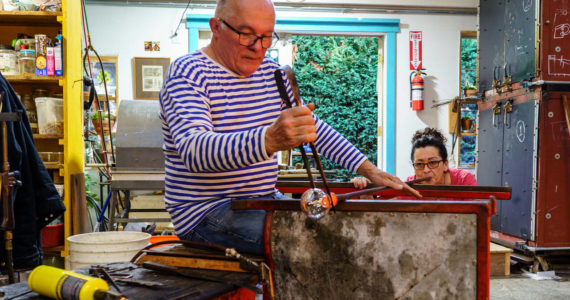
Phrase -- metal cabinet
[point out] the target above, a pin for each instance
(524, 143)
(506, 146)
(523, 40)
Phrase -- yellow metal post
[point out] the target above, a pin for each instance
(73, 104)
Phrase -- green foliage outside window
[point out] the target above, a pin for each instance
(338, 74)
(468, 62)
(468, 80)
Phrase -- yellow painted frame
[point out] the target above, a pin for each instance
(72, 105)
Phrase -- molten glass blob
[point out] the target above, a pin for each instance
(312, 203)
(316, 203)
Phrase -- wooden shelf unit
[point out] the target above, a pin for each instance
(68, 22)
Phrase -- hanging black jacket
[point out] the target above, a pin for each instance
(37, 202)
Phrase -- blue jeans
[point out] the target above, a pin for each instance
(239, 229)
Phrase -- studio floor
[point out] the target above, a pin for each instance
(521, 288)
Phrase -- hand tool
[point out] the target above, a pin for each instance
(312, 197)
(101, 273)
(133, 281)
(197, 274)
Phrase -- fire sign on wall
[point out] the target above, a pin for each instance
(415, 50)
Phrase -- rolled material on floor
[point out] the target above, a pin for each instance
(80, 217)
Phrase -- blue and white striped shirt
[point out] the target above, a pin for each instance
(214, 124)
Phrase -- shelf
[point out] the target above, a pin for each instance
(54, 250)
(468, 134)
(47, 136)
(67, 22)
(471, 100)
(53, 166)
(33, 79)
(28, 17)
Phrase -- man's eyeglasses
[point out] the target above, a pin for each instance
(248, 39)
(431, 164)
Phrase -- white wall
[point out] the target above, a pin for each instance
(122, 30)
(440, 3)
(441, 40)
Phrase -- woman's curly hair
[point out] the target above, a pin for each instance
(429, 137)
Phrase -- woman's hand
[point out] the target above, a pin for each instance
(360, 182)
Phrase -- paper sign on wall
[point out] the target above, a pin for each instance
(415, 50)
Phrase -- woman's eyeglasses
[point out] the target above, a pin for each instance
(431, 164)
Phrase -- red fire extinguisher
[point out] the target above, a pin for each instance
(417, 90)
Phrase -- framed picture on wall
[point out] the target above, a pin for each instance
(149, 74)
(109, 72)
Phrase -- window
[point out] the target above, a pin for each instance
(468, 109)
(468, 74)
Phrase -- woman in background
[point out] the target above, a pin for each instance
(429, 158)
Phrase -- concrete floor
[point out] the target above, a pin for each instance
(521, 288)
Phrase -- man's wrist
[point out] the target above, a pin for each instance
(268, 142)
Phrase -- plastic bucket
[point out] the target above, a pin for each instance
(105, 247)
(52, 235)
(50, 115)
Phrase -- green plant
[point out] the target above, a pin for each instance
(95, 116)
(338, 74)
(467, 118)
(90, 185)
(100, 77)
(468, 86)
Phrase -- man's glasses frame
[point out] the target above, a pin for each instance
(248, 39)
(431, 164)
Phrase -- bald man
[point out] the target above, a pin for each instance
(223, 123)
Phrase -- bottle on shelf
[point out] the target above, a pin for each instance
(57, 54)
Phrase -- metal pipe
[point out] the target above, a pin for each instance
(324, 7)
(342, 197)
(541, 82)
(534, 249)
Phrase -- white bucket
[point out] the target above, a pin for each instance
(105, 247)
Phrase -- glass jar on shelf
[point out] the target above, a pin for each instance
(8, 61)
(27, 61)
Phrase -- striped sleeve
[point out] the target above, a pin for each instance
(335, 147)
